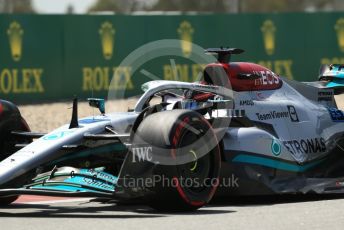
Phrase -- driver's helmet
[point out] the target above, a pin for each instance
(200, 96)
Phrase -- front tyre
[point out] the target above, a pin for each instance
(7, 200)
(8, 142)
(191, 144)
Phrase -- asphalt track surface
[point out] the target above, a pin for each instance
(282, 212)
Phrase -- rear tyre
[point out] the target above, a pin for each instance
(7, 145)
(191, 144)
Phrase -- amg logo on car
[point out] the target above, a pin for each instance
(315, 145)
(142, 153)
(246, 103)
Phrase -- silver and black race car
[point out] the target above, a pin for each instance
(183, 142)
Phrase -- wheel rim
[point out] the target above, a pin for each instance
(198, 170)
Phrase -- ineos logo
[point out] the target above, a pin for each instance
(142, 154)
(266, 78)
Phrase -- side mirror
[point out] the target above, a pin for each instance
(97, 103)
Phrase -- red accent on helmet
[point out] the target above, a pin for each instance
(203, 96)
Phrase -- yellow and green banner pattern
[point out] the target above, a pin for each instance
(54, 57)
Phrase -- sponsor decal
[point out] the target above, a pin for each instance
(272, 115)
(97, 183)
(269, 30)
(246, 103)
(266, 78)
(107, 38)
(182, 72)
(275, 147)
(283, 67)
(325, 95)
(305, 146)
(336, 114)
(260, 96)
(57, 135)
(19, 80)
(292, 113)
(101, 175)
(101, 78)
(339, 27)
(106, 78)
(185, 32)
(15, 35)
(142, 154)
(331, 60)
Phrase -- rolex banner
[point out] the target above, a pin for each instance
(57, 57)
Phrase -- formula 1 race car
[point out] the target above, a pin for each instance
(183, 142)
